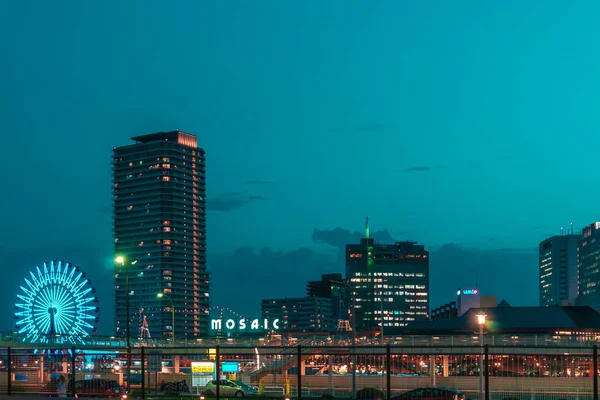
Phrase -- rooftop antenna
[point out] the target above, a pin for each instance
(367, 228)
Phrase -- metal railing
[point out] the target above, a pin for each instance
(326, 338)
(304, 371)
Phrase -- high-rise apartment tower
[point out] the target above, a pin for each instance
(159, 230)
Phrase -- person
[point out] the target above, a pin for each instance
(62, 387)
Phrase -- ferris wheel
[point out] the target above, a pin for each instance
(56, 304)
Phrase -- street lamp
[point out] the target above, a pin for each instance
(160, 296)
(121, 260)
(481, 319)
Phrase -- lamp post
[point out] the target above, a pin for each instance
(121, 260)
(160, 296)
(481, 319)
(345, 283)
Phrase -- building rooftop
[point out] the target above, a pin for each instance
(177, 136)
(515, 320)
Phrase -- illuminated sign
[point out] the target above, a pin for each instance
(230, 367)
(467, 292)
(203, 367)
(244, 325)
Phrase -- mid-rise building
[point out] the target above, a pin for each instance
(302, 314)
(448, 310)
(159, 230)
(471, 297)
(390, 283)
(558, 270)
(334, 287)
(589, 266)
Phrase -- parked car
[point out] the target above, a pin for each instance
(370, 394)
(106, 388)
(229, 388)
(433, 393)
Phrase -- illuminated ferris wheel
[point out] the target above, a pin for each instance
(56, 304)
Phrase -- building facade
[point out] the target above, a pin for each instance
(159, 229)
(471, 297)
(390, 283)
(448, 310)
(588, 266)
(558, 270)
(302, 314)
(467, 298)
(334, 287)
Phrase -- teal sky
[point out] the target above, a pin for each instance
(468, 123)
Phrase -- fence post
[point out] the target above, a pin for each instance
(486, 371)
(299, 372)
(595, 371)
(218, 371)
(143, 360)
(9, 369)
(73, 357)
(388, 373)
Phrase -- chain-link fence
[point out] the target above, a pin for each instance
(326, 372)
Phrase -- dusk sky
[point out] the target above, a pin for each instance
(466, 126)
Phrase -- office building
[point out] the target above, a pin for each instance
(558, 270)
(467, 298)
(390, 283)
(588, 266)
(160, 231)
(471, 297)
(334, 287)
(303, 314)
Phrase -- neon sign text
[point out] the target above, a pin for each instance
(243, 324)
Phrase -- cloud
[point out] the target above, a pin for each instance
(509, 274)
(339, 237)
(230, 201)
(371, 128)
(259, 182)
(422, 168)
(270, 274)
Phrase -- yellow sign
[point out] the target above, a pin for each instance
(202, 367)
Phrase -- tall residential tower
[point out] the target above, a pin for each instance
(558, 270)
(160, 231)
